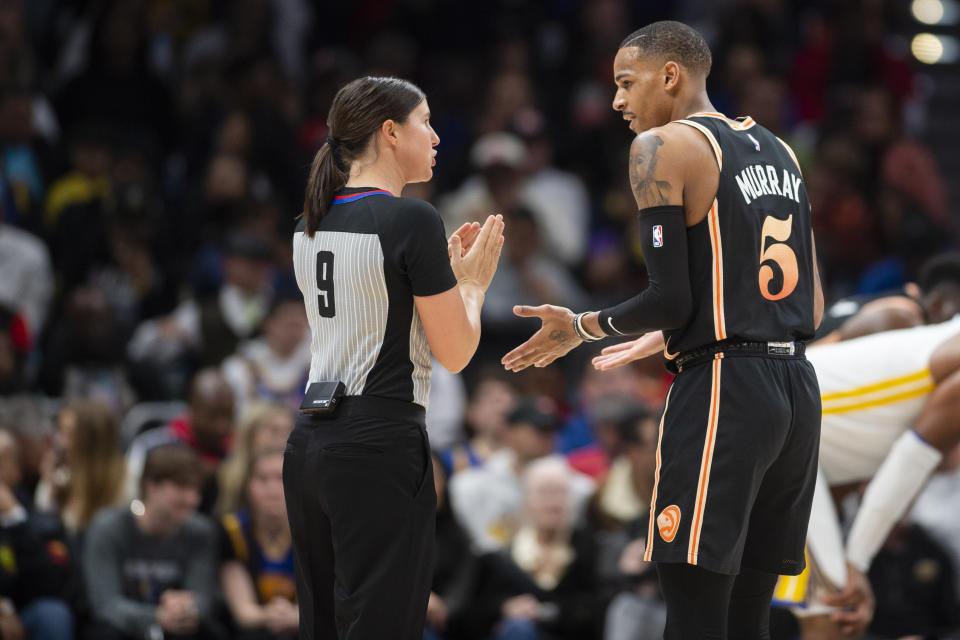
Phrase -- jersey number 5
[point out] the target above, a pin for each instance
(326, 303)
(780, 253)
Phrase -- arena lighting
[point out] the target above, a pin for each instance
(927, 11)
(943, 12)
(935, 49)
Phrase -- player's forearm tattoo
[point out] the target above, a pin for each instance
(648, 191)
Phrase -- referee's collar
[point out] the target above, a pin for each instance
(348, 194)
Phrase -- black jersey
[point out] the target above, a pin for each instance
(750, 258)
(358, 273)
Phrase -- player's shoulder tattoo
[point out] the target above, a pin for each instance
(648, 191)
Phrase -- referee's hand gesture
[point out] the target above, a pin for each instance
(476, 266)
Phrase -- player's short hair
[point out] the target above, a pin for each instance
(943, 269)
(671, 40)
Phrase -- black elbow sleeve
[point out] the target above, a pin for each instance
(667, 302)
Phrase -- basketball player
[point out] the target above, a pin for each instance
(383, 290)
(891, 410)
(725, 224)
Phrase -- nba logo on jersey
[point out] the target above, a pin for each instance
(657, 235)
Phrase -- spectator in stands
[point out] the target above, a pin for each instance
(275, 366)
(83, 357)
(85, 471)
(256, 553)
(576, 439)
(206, 428)
(27, 285)
(262, 427)
(620, 514)
(543, 585)
(207, 331)
(38, 577)
(557, 199)
(624, 494)
(488, 500)
(150, 569)
(14, 346)
(491, 401)
(913, 581)
(454, 572)
(25, 417)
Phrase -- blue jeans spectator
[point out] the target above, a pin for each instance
(516, 629)
(47, 619)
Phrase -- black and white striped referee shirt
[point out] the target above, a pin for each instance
(358, 273)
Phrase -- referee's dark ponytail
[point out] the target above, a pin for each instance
(357, 112)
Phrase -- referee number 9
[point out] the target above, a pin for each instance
(326, 301)
(781, 254)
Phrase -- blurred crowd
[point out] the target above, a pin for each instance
(153, 343)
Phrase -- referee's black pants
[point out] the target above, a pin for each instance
(362, 510)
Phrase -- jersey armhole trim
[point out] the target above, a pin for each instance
(717, 153)
(792, 155)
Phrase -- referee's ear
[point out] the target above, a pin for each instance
(390, 132)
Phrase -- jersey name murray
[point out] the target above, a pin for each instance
(758, 180)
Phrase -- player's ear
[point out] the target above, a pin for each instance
(671, 75)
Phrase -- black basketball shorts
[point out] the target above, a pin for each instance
(736, 465)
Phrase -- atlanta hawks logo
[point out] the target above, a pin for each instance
(668, 522)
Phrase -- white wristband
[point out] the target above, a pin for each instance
(901, 476)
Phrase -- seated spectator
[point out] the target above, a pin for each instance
(543, 586)
(38, 581)
(488, 500)
(27, 284)
(913, 581)
(208, 331)
(150, 569)
(624, 494)
(84, 472)
(262, 427)
(454, 571)
(207, 428)
(492, 399)
(84, 356)
(24, 416)
(15, 344)
(620, 514)
(275, 366)
(257, 556)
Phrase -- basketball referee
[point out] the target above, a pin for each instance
(383, 289)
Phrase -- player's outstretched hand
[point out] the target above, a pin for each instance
(554, 339)
(477, 265)
(467, 234)
(857, 601)
(618, 355)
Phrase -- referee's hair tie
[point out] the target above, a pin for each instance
(333, 142)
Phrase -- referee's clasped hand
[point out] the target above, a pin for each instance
(467, 233)
(476, 264)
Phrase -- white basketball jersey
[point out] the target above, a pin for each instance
(872, 389)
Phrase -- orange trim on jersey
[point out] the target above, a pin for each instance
(648, 552)
(891, 399)
(710, 441)
(736, 125)
(717, 152)
(792, 154)
(716, 245)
